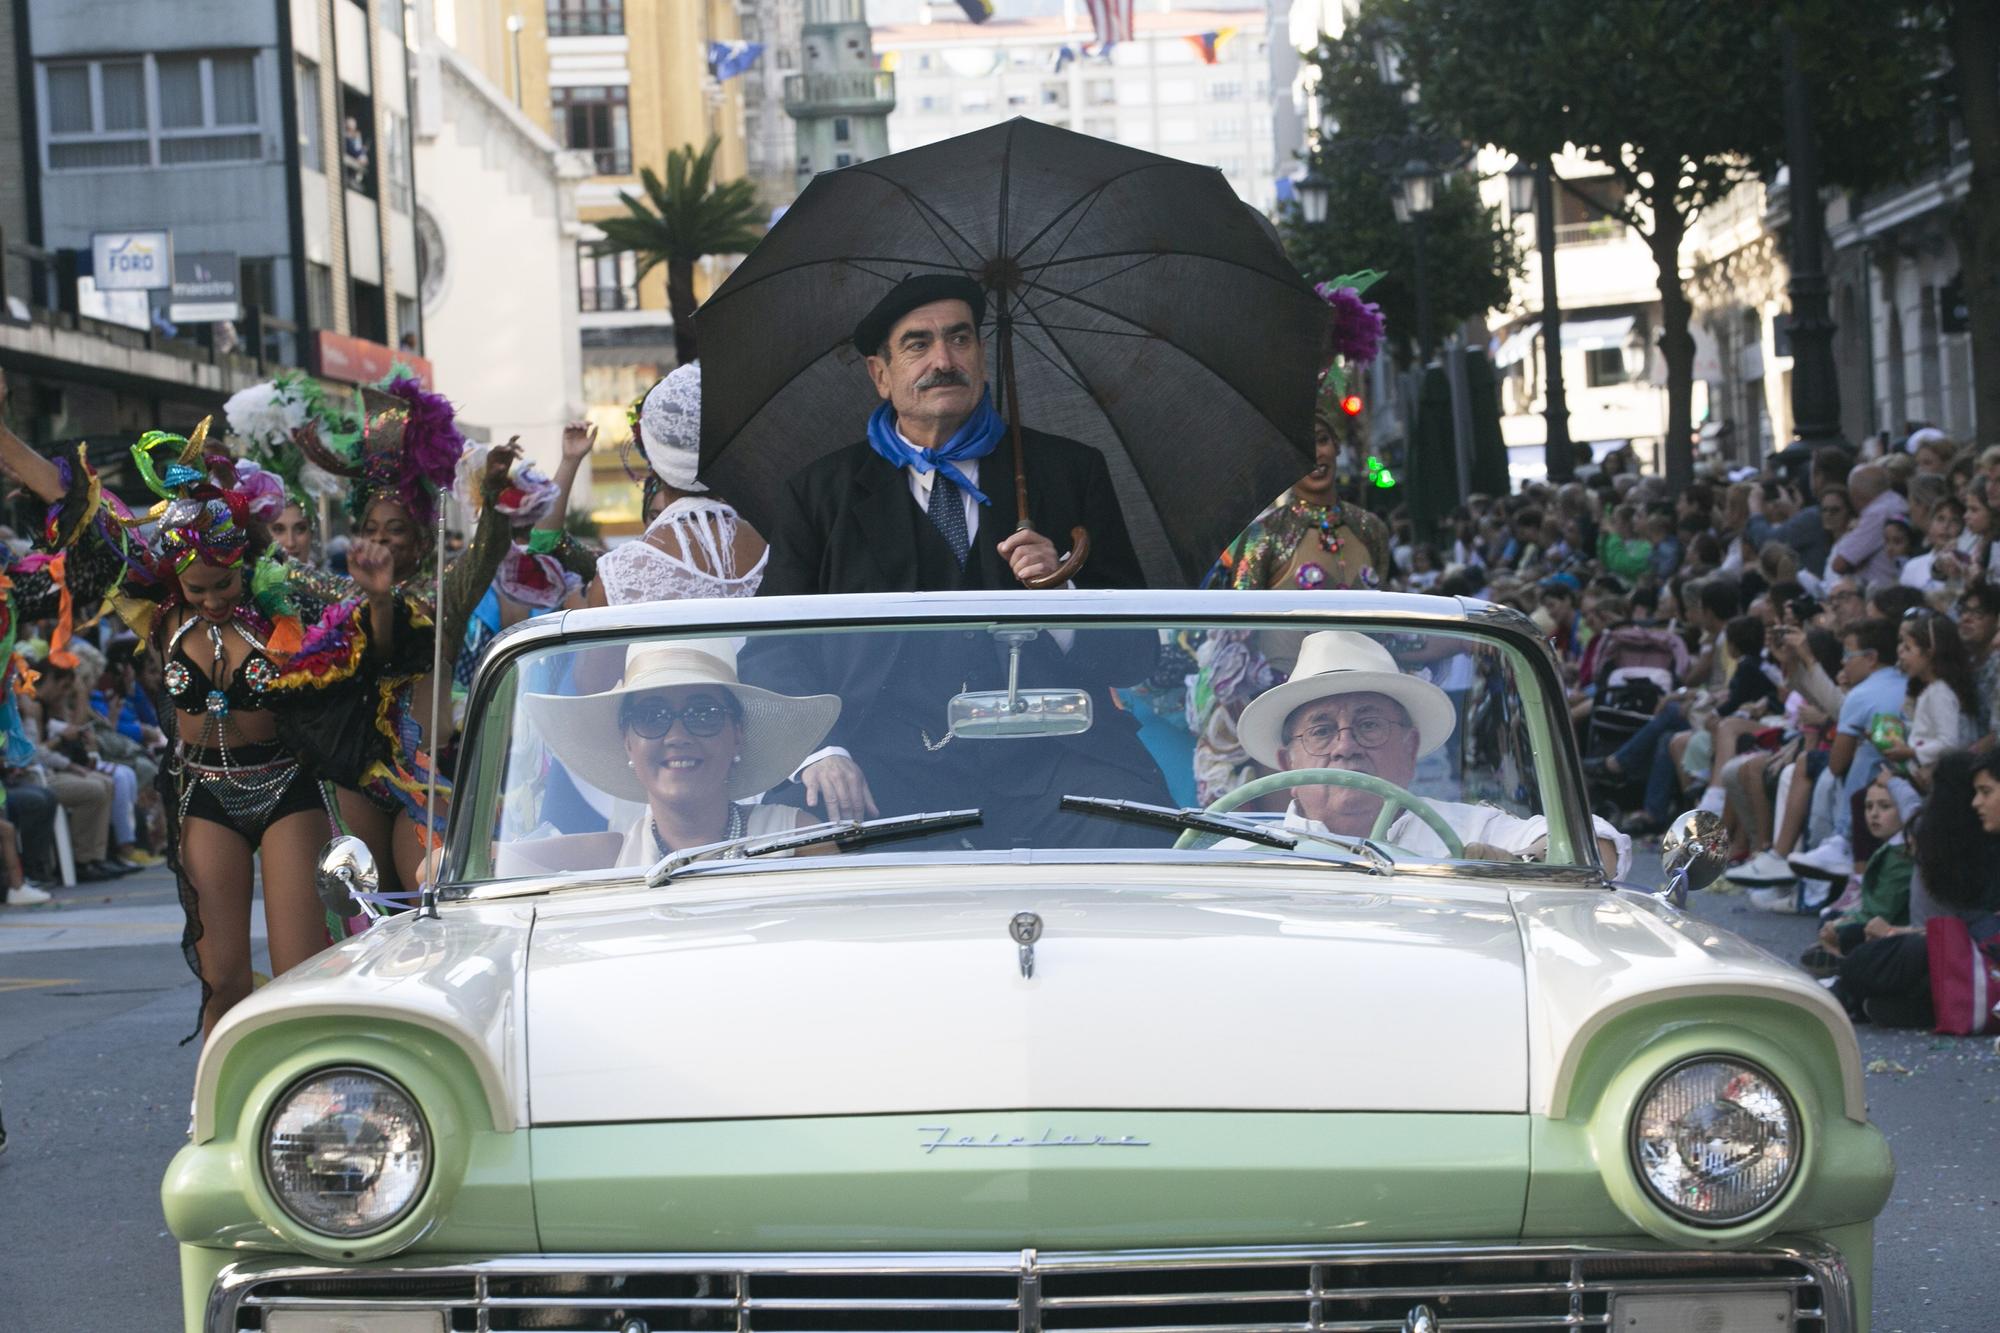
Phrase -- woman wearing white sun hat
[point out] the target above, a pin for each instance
(1348, 705)
(682, 735)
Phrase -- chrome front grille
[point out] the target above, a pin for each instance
(1519, 1289)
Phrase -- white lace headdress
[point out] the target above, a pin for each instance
(670, 428)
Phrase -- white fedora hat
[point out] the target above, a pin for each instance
(779, 731)
(1339, 661)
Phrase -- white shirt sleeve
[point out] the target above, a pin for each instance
(1496, 828)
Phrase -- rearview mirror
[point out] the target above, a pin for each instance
(1693, 853)
(347, 878)
(1004, 715)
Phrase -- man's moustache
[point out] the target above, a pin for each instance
(941, 379)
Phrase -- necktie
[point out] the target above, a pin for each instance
(947, 514)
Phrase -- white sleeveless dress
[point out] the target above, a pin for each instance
(639, 571)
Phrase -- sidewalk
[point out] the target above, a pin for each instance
(144, 910)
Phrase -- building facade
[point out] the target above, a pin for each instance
(1155, 92)
(839, 100)
(1896, 274)
(770, 138)
(496, 200)
(1614, 378)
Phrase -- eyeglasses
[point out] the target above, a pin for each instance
(1370, 733)
(654, 718)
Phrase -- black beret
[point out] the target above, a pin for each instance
(906, 296)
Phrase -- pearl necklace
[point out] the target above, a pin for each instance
(735, 829)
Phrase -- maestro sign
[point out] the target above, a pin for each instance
(132, 261)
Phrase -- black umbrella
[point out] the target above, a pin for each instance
(1147, 313)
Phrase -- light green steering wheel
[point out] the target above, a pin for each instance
(1393, 799)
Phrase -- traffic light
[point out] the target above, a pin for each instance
(1351, 404)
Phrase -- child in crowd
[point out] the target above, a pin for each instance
(1884, 893)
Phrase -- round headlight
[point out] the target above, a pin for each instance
(346, 1152)
(1715, 1140)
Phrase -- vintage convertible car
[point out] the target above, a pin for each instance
(1038, 1044)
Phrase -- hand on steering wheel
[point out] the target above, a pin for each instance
(1393, 799)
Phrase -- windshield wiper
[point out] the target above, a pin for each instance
(1375, 859)
(840, 832)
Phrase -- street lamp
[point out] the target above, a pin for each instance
(1531, 189)
(1415, 195)
(1315, 193)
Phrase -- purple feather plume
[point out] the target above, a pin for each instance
(432, 443)
(1357, 324)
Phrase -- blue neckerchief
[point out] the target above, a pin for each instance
(975, 439)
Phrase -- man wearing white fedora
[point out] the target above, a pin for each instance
(1349, 706)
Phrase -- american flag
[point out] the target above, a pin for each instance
(1112, 19)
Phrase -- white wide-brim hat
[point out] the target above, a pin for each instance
(1339, 661)
(779, 730)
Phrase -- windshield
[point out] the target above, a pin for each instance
(608, 756)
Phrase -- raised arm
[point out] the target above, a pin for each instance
(32, 470)
(549, 536)
(469, 576)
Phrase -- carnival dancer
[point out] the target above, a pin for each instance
(541, 571)
(407, 454)
(1307, 538)
(264, 423)
(698, 545)
(232, 667)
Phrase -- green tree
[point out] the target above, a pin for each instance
(1470, 256)
(680, 220)
(1680, 100)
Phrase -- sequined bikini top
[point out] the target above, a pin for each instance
(190, 686)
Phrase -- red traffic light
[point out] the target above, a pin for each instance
(1351, 404)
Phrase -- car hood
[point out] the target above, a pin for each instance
(1229, 990)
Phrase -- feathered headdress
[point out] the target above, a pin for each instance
(201, 515)
(409, 450)
(267, 420)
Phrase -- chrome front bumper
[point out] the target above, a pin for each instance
(1277, 1290)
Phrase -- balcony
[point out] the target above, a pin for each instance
(864, 92)
(1597, 231)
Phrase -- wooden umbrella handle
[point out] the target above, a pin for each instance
(1079, 551)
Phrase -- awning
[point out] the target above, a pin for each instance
(1579, 335)
(1593, 335)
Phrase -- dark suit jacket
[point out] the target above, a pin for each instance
(848, 523)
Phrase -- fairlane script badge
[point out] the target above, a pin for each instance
(942, 1138)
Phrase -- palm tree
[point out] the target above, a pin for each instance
(680, 220)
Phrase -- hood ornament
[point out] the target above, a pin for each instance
(1420, 1320)
(1026, 928)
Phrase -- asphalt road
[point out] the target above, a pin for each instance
(94, 1088)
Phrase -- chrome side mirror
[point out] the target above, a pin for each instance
(1693, 852)
(347, 880)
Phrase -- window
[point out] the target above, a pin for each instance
(367, 317)
(197, 109)
(1055, 94)
(1100, 127)
(929, 103)
(312, 133)
(389, 13)
(396, 161)
(319, 295)
(843, 130)
(975, 99)
(1100, 92)
(596, 121)
(1604, 367)
(208, 109)
(406, 322)
(1225, 91)
(1225, 128)
(606, 282)
(586, 18)
(1018, 100)
(96, 115)
(843, 159)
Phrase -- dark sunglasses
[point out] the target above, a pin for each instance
(654, 718)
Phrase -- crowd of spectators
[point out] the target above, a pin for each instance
(1809, 653)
